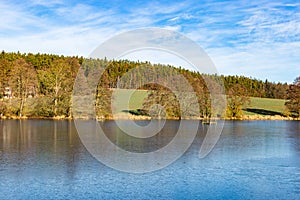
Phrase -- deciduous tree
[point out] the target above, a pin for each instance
(161, 103)
(293, 97)
(23, 78)
(236, 98)
(58, 80)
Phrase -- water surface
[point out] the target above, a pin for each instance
(45, 159)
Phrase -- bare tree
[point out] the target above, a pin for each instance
(58, 80)
(23, 78)
(5, 68)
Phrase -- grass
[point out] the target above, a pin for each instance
(126, 100)
(264, 106)
(257, 106)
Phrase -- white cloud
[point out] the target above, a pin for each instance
(14, 19)
(46, 3)
(173, 28)
(155, 7)
(259, 39)
(279, 62)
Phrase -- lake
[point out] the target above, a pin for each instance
(45, 159)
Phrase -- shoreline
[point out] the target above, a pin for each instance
(143, 117)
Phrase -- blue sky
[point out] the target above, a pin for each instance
(260, 39)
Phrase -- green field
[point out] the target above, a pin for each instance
(264, 106)
(257, 106)
(125, 100)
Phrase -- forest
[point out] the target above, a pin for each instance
(41, 85)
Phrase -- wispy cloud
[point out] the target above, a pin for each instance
(252, 38)
(47, 3)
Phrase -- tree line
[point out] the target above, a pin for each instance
(50, 79)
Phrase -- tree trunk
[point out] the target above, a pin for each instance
(56, 96)
(71, 106)
(21, 107)
(55, 106)
(23, 100)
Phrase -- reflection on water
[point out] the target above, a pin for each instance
(294, 133)
(38, 144)
(140, 145)
(44, 159)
